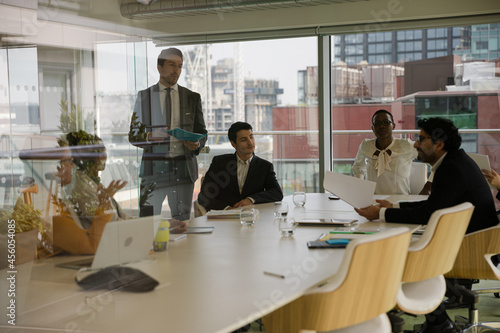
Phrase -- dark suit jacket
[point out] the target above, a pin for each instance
(458, 179)
(498, 198)
(191, 119)
(220, 186)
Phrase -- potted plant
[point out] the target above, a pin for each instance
(27, 223)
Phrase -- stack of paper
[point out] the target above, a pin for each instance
(224, 214)
(356, 192)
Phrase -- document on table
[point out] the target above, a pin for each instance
(356, 192)
(224, 214)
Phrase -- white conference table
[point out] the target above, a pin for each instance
(208, 282)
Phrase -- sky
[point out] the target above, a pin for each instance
(278, 59)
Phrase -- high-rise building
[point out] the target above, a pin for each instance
(260, 96)
(484, 43)
(401, 46)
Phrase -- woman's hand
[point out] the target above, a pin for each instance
(492, 177)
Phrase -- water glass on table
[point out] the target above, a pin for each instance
(299, 199)
(280, 209)
(248, 215)
(287, 226)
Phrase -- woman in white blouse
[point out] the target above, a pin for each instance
(385, 159)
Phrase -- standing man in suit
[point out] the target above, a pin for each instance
(239, 179)
(457, 179)
(169, 166)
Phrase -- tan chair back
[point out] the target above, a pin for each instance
(434, 254)
(470, 262)
(368, 289)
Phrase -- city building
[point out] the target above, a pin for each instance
(401, 46)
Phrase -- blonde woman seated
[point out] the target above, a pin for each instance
(385, 159)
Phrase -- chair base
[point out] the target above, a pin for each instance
(466, 326)
(483, 328)
(397, 323)
(379, 324)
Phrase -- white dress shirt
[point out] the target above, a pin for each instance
(389, 168)
(242, 171)
(436, 165)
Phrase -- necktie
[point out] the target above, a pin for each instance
(168, 106)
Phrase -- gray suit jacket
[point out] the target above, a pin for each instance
(191, 119)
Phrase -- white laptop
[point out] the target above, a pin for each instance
(122, 242)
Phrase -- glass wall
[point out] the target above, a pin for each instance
(429, 73)
(49, 92)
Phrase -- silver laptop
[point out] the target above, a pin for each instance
(121, 242)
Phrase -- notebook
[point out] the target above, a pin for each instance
(321, 222)
(231, 214)
(121, 242)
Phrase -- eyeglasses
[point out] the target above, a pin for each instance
(421, 138)
(380, 123)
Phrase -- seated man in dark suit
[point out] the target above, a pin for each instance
(239, 179)
(457, 179)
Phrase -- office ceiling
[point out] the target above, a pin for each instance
(59, 22)
(136, 9)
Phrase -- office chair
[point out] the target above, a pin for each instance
(358, 296)
(474, 262)
(430, 257)
(198, 209)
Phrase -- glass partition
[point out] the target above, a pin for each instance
(48, 92)
(425, 73)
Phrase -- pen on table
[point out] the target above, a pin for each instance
(181, 236)
(275, 274)
(352, 232)
(321, 236)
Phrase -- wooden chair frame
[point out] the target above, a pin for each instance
(364, 287)
(432, 256)
(474, 262)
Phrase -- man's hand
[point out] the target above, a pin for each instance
(384, 203)
(371, 212)
(244, 202)
(192, 146)
(178, 227)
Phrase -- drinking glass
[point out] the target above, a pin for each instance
(280, 209)
(248, 216)
(287, 226)
(299, 199)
